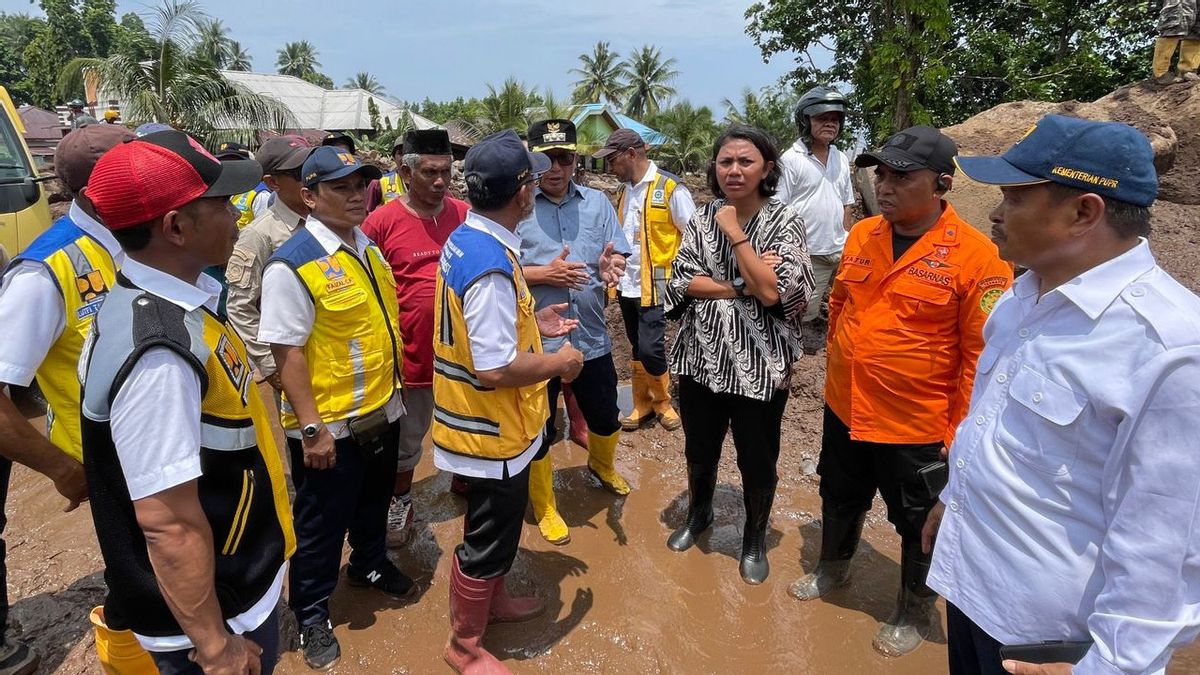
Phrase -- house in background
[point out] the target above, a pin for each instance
(595, 121)
(43, 131)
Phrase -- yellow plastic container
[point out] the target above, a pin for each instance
(118, 650)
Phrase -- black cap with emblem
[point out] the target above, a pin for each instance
(554, 134)
(919, 147)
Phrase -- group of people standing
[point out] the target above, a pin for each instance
(466, 320)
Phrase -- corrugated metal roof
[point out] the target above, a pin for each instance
(318, 108)
(650, 136)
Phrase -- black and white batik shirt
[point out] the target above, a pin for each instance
(738, 346)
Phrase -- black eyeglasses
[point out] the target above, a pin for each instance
(562, 160)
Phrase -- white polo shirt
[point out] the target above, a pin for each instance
(490, 312)
(32, 310)
(288, 312)
(819, 193)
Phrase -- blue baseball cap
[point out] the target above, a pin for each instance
(501, 163)
(328, 163)
(151, 127)
(1108, 158)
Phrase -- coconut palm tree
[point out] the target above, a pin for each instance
(770, 110)
(553, 108)
(365, 81)
(600, 76)
(212, 41)
(239, 58)
(297, 59)
(508, 107)
(177, 86)
(648, 81)
(691, 131)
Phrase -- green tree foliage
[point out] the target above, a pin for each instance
(60, 39)
(449, 111)
(601, 76)
(552, 107)
(509, 107)
(648, 81)
(771, 110)
(320, 79)
(17, 30)
(297, 59)
(179, 87)
(365, 81)
(941, 61)
(238, 58)
(99, 18)
(133, 40)
(691, 130)
(213, 42)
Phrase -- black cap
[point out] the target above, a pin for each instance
(326, 163)
(619, 141)
(282, 154)
(224, 179)
(554, 134)
(425, 142)
(501, 164)
(231, 150)
(919, 147)
(339, 138)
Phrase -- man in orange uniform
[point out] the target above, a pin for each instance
(905, 327)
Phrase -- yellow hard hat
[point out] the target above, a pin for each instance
(111, 114)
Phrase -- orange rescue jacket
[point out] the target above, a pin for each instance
(904, 336)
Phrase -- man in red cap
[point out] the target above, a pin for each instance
(192, 519)
(48, 297)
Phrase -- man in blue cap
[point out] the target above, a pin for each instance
(1072, 509)
(329, 314)
(489, 384)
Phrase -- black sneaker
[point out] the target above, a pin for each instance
(16, 658)
(387, 578)
(320, 647)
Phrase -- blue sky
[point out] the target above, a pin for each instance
(457, 47)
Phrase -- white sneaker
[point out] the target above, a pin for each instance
(400, 523)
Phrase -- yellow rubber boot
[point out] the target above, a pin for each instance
(1189, 56)
(545, 510)
(1164, 49)
(118, 651)
(643, 404)
(602, 451)
(660, 393)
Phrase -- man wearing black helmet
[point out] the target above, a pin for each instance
(816, 184)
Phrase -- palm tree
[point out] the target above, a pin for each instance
(552, 108)
(212, 41)
(647, 85)
(770, 110)
(297, 59)
(177, 86)
(365, 81)
(600, 76)
(691, 131)
(239, 58)
(508, 108)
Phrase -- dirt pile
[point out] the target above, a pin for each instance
(1169, 115)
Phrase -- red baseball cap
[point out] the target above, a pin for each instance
(143, 179)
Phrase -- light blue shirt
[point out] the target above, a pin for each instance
(585, 221)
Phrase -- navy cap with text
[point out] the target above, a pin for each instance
(500, 163)
(328, 163)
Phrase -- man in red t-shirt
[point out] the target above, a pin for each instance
(410, 231)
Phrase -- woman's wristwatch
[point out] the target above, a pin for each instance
(739, 287)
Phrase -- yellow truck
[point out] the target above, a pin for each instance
(24, 210)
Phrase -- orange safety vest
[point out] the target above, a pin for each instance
(904, 336)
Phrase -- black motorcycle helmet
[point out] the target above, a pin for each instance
(818, 100)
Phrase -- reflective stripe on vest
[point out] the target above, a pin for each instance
(84, 272)
(353, 352)
(391, 186)
(469, 418)
(658, 237)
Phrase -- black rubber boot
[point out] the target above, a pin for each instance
(754, 567)
(840, 532)
(910, 623)
(702, 483)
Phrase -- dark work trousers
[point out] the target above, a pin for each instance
(971, 651)
(596, 392)
(646, 329)
(492, 524)
(353, 497)
(708, 415)
(265, 636)
(5, 476)
(851, 471)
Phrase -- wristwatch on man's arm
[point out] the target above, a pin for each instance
(311, 430)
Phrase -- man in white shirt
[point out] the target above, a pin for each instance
(815, 182)
(654, 206)
(185, 483)
(1074, 495)
(489, 381)
(43, 339)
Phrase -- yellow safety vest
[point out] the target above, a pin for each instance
(244, 203)
(391, 186)
(469, 418)
(658, 236)
(354, 352)
(85, 272)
